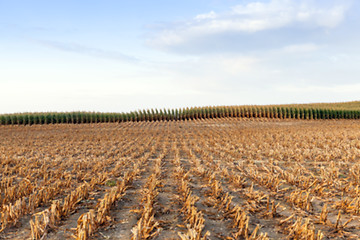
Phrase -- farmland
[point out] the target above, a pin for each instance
(214, 178)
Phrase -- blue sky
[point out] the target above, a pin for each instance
(116, 56)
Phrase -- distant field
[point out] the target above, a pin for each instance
(347, 110)
(222, 178)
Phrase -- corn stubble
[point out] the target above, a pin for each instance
(89, 222)
(193, 217)
(298, 178)
(147, 226)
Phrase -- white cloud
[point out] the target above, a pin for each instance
(234, 65)
(300, 48)
(252, 18)
(210, 15)
(214, 68)
(285, 12)
(336, 89)
(89, 51)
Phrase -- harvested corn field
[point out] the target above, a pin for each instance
(221, 178)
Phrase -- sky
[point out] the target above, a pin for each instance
(119, 56)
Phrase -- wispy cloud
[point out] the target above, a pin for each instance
(338, 88)
(300, 48)
(210, 15)
(89, 51)
(244, 21)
